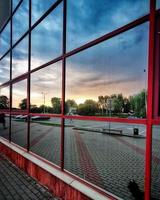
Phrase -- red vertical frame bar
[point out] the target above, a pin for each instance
(28, 78)
(63, 87)
(10, 84)
(151, 62)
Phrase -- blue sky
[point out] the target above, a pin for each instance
(116, 64)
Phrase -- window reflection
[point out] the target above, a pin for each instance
(108, 155)
(19, 95)
(46, 90)
(5, 40)
(109, 79)
(39, 7)
(4, 98)
(155, 192)
(20, 58)
(4, 125)
(19, 130)
(45, 137)
(5, 69)
(20, 21)
(157, 4)
(15, 3)
(47, 39)
(90, 19)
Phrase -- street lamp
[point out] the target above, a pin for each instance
(44, 100)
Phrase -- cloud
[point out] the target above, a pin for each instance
(90, 19)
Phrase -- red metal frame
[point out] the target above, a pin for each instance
(153, 69)
(151, 63)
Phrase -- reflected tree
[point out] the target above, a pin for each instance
(23, 104)
(56, 105)
(4, 102)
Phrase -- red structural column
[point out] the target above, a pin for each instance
(10, 84)
(28, 79)
(151, 62)
(63, 87)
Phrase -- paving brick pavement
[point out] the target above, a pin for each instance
(104, 160)
(16, 185)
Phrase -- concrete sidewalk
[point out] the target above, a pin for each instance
(16, 185)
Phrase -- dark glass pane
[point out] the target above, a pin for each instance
(39, 7)
(20, 21)
(19, 95)
(5, 69)
(45, 138)
(4, 125)
(5, 40)
(20, 58)
(46, 89)
(47, 39)
(108, 155)
(109, 79)
(19, 130)
(4, 98)
(155, 192)
(90, 19)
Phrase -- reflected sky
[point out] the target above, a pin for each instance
(117, 64)
(5, 69)
(112, 67)
(48, 84)
(5, 40)
(90, 19)
(20, 20)
(19, 92)
(20, 58)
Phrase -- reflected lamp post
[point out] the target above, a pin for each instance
(44, 100)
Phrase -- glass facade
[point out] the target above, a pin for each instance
(77, 88)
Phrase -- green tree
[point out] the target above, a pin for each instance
(118, 102)
(56, 105)
(89, 107)
(126, 105)
(23, 104)
(138, 104)
(4, 102)
(101, 103)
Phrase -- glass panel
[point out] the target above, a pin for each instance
(108, 155)
(5, 69)
(50, 31)
(4, 98)
(20, 58)
(90, 19)
(158, 4)
(109, 79)
(15, 3)
(4, 125)
(46, 89)
(155, 192)
(45, 137)
(5, 40)
(39, 7)
(19, 95)
(20, 21)
(19, 130)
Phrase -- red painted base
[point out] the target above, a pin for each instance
(55, 185)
